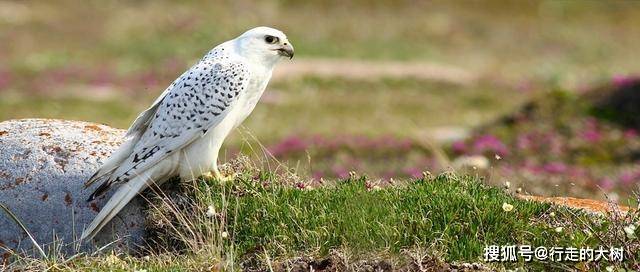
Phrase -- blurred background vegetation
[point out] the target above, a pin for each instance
(404, 77)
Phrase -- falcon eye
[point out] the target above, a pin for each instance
(271, 39)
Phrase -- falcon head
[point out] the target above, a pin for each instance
(264, 44)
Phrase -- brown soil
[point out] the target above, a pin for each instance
(590, 205)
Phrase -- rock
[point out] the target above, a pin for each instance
(43, 166)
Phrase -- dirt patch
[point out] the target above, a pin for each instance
(367, 70)
(3, 132)
(590, 205)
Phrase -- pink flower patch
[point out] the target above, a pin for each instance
(459, 147)
(621, 81)
(555, 168)
(317, 175)
(490, 144)
(340, 172)
(606, 184)
(288, 145)
(630, 133)
(629, 178)
(591, 136)
(591, 132)
(413, 172)
(524, 142)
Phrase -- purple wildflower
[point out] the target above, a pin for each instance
(591, 132)
(413, 172)
(630, 133)
(524, 142)
(629, 178)
(317, 175)
(555, 168)
(591, 136)
(459, 147)
(606, 184)
(621, 81)
(491, 144)
(577, 173)
(102, 78)
(288, 145)
(340, 171)
(388, 175)
(556, 146)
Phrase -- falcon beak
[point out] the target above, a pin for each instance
(286, 50)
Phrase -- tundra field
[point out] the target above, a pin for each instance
(392, 140)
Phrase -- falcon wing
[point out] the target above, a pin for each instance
(135, 131)
(142, 121)
(199, 100)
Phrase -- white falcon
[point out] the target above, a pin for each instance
(182, 132)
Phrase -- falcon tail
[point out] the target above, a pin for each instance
(100, 190)
(117, 202)
(113, 162)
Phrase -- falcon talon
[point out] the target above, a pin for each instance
(216, 175)
(223, 178)
(208, 175)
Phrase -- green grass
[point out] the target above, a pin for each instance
(459, 212)
(381, 106)
(450, 217)
(455, 216)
